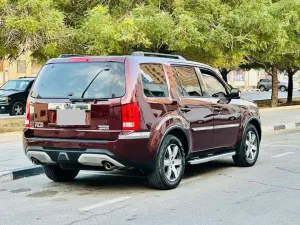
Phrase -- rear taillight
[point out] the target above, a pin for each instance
(27, 117)
(130, 117)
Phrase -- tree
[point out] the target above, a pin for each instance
(269, 38)
(29, 26)
(290, 64)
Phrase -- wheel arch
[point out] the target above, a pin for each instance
(181, 134)
(256, 124)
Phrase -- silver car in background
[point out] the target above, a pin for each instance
(266, 84)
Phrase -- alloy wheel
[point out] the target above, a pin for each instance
(172, 162)
(18, 109)
(251, 146)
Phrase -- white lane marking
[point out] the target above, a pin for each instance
(191, 179)
(109, 202)
(283, 154)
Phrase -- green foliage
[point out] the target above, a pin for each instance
(29, 25)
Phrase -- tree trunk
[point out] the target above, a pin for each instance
(224, 72)
(290, 89)
(274, 98)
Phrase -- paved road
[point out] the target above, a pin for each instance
(262, 95)
(211, 193)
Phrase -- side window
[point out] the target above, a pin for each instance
(154, 80)
(214, 87)
(187, 81)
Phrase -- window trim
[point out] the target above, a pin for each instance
(166, 78)
(214, 74)
(197, 75)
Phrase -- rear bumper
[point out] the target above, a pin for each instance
(129, 150)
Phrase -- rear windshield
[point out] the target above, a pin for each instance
(80, 80)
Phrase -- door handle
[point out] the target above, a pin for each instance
(185, 109)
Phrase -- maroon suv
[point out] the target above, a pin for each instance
(153, 112)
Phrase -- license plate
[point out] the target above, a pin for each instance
(70, 117)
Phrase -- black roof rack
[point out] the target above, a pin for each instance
(157, 55)
(69, 55)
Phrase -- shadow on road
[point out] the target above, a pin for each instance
(133, 180)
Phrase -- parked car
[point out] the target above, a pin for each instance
(266, 85)
(157, 113)
(13, 95)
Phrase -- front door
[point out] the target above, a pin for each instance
(227, 117)
(194, 107)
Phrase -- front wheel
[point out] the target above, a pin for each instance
(17, 109)
(55, 173)
(248, 150)
(169, 164)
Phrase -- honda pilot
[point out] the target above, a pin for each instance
(154, 112)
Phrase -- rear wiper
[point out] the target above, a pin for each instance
(83, 93)
(95, 100)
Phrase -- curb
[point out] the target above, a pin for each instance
(21, 173)
(281, 127)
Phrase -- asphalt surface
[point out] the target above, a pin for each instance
(211, 193)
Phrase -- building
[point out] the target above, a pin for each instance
(21, 67)
(245, 79)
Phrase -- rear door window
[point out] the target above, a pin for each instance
(71, 80)
(187, 81)
(154, 80)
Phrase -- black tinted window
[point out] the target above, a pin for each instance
(187, 81)
(154, 81)
(70, 80)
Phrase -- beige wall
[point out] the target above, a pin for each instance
(9, 69)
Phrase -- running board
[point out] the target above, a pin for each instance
(205, 159)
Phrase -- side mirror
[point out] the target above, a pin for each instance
(235, 93)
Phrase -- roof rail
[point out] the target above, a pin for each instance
(158, 55)
(69, 55)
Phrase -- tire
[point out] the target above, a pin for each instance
(58, 174)
(246, 155)
(168, 161)
(283, 89)
(267, 89)
(17, 109)
(262, 88)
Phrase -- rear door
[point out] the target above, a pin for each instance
(227, 117)
(78, 100)
(196, 108)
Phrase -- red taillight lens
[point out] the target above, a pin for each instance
(130, 117)
(80, 59)
(27, 118)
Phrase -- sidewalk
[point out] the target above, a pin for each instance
(14, 164)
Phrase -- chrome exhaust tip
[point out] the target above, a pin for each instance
(35, 161)
(108, 166)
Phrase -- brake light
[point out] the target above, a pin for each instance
(80, 59)
(27, 118)
(130, 117)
